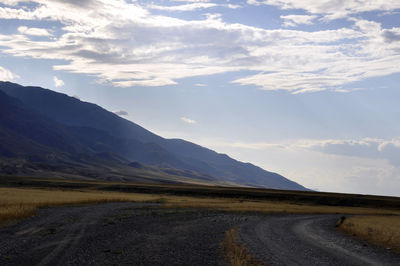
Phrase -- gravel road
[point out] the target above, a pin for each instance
(147, 234)
(116, 234)
(308, 240)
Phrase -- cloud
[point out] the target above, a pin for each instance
(123, 44)
(192, 1)
(332, 9)
(364, 170)
(11, 2)
(372, 148)
(188, 120)
(7, 75)
(33, 31)
(185, 7)
(200, 85)
(192, 6)
(58, 82)
(121, 113)
(294, 20)
(386, 149)
(347, 90)
(392, 35)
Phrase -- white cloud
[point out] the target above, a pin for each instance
(192, 6)
(33, 31)
(188, 120)
(294, 20)
(192, 1)
(123, 44)
(11, 2)
(7, 75)
(332, 9)
(121, 113)
(200, 85)
(185, 7)
(58, 82)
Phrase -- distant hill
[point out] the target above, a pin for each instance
(54, 125)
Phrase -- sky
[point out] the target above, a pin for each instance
(307, 89)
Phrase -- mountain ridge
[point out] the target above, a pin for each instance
(107, 132)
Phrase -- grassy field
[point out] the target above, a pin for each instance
(383, 231)
(379, 223)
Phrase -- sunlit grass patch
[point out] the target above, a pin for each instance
(383, 231)
(236, 254)
(23, 202)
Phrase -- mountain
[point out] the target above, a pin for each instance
(75, 127)
(36, 145)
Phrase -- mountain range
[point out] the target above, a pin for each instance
(49, 134)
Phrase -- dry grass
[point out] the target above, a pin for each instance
(235, 253)
(383, 231)
(22, 202)
(264, 206)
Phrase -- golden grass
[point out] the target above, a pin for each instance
(264, 206)
(23, 202)
(383, 231)
(235, 253)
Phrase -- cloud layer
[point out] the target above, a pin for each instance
(125, 45)
(371, 148)
(364, 165)
(332, 9)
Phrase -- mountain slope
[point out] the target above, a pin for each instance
(136, 143)
(35, 145)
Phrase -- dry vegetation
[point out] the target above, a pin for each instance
(22, 202)
(235, 253)
(383, 231)
(265, 206)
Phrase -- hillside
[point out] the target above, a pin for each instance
(77, 128)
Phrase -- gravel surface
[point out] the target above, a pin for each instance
(308, 240)
(147, 234)
(116, 234)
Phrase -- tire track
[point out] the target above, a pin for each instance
(309, 240)
(70, 240)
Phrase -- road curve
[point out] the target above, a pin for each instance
(308, 240)
(147, 234)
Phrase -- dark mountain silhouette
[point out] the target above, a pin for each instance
(74, 127)
(33, 144)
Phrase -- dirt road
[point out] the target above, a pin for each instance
(115, 234)
(147, 234)
(309, 240)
